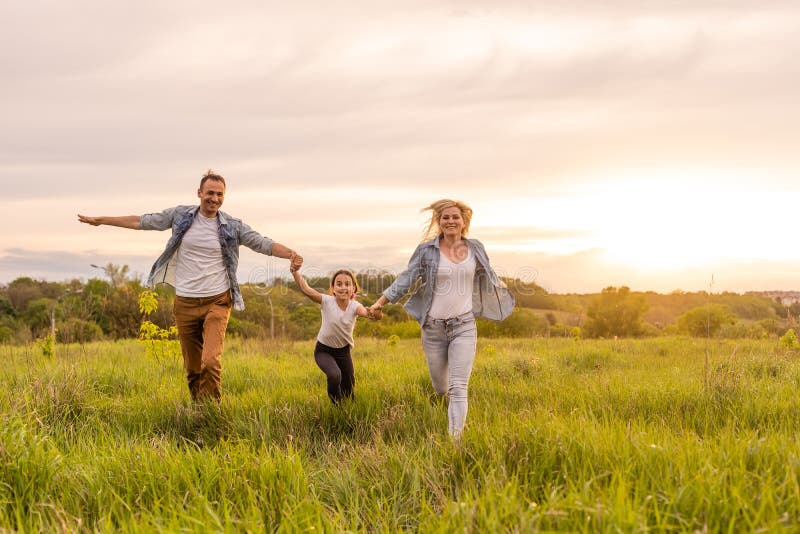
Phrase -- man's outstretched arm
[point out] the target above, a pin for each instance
(282, 251)
(133, 222)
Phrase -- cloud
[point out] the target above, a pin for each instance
(511, 235)
(590, 271)
(106, 105)
(61, 265)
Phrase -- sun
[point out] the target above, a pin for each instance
(659, 224)
(675, 223)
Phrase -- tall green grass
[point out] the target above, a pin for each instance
(580, 436)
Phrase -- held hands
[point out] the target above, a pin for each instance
(296, 261)
(374, 312)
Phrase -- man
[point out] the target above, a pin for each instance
(200, 261)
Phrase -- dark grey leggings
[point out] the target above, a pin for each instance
(337, 364)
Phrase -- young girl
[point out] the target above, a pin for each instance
(339, 312)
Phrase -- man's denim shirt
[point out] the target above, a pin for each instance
(232, 233)
(491, 299)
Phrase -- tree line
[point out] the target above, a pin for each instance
(79, 311)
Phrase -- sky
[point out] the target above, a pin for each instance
(651, 144)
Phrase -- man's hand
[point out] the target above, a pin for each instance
(134, 222)
(296, 261)
(89, 220)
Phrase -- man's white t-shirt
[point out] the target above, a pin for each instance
(200, 271)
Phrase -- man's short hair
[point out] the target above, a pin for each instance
(211, 175)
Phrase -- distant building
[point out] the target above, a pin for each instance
(787, 298)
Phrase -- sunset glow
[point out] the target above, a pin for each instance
(599, 144)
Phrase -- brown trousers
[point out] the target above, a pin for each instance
(201, 323)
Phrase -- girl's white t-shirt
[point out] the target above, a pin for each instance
(200, 271)
(337, 324)
(453, 290)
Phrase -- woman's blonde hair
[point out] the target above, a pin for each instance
(349, 273)
(433, 229)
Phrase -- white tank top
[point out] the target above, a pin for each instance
(200, 271)
(453, 290)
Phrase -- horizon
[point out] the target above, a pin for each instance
(263, 274)
(598, 144)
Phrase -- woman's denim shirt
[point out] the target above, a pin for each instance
(232, 233)
(491, 299)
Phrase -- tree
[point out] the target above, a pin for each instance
(23, 290)
(530, 294)
(705, 320)
(615, 312)
(37, 315)
(122, 309)
(6, 308)
(521, 323)
(117, 274)
(306, 321)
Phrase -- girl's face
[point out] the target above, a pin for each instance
(343, 286)
(451, 222)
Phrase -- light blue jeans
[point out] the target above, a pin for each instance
(449, 346)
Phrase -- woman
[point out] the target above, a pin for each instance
(458, 285)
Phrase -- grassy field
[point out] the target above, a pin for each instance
(580, 436)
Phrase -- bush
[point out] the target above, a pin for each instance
(160, 343)
(705, 320)
(650, 330)
(367, 328)
(521, 323)
(671, 330)
(615, 312)
(405, 329)
(564, 330)
(6, 334)
(771, 326)
(789, 340)
(733, 331)
(75, 330)
(305, 321)
(245, 328)
(48, 346)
